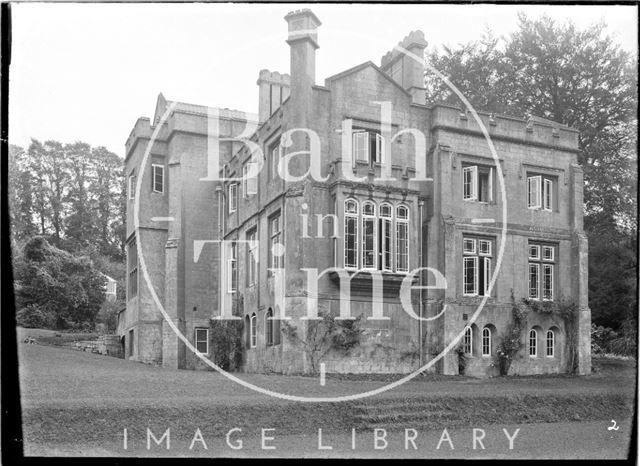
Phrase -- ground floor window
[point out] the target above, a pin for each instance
(254, 330)
(202, 340)
(476, 265)
(551, 343)
(467, 344)
(268, 325)
(533, 343)
(131, 342)
(486, 341)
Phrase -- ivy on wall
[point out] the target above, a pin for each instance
(324, 335)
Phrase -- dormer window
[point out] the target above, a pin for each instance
(368, 146)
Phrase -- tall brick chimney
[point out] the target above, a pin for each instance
(273, 90)
(404, 68)
(303, 40)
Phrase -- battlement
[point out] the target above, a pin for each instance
(413, 39)
(533, 130)
(273, 77)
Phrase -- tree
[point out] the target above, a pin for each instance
(583, 79)
(20, 194)
(80, 221)
(54, 281)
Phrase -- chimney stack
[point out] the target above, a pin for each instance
(303, 40)
(273, 90)
(405, 69)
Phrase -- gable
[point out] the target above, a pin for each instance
(366, 72)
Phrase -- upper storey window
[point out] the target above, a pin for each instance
(541, 192)
(370, 240)
(368, 147)
(157, 178)
(249, 185)
(477, 183)
(132, 185)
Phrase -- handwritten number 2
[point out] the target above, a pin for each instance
(614, 426)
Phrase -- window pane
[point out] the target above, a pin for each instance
(547, 253)
(485, 247)
(534, 252)
(486, 342)
(470, 266)
(386, 244)
(402, 246)
(368, 242)
(547, 283)
(550, 343)
(468, 341)
(533, 343)
(534, 280)
(350, 242)
(548, 193)
(469, 246)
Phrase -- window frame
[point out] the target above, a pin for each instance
(533, 343)
(473, 258)
(132, 185)
(132, 268)
(232, 269)
(252, 257)
(486, 342)
(196, 340)
(269, 328)
(351, 217)
(551, 347)
(545, 196)
(372, 219)
(275, 262)
(402, 221)
(232, 193)
(467, 341)
(155, 168)
(545, 271)
(253, 331)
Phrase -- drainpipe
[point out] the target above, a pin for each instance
(420, 204)
(220, 197)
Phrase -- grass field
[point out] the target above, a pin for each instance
(71, 396)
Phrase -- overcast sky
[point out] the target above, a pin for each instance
(88, 71)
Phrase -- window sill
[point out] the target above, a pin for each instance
(362, 280)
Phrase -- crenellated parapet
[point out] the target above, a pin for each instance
(415, 39)
(532, 130)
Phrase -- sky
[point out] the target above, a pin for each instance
(88, 71)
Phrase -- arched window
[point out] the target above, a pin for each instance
(254, 330)
(468, 341)
(551, 344)
(369, 236)
(247, 332)
(486, 341)
(350, 234)
(268, 325)
(533, 343)
(402, 239)
(386, 237)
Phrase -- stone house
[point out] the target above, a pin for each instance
(417, 188)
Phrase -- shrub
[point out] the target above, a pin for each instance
(226, 341)
(33, 316)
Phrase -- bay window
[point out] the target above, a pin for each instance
(375, 238)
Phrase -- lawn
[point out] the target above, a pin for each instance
(71, 396)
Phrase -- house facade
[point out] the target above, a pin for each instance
(356, 192)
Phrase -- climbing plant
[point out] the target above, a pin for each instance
(324, 335)
(567, 311)
(512, 340)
